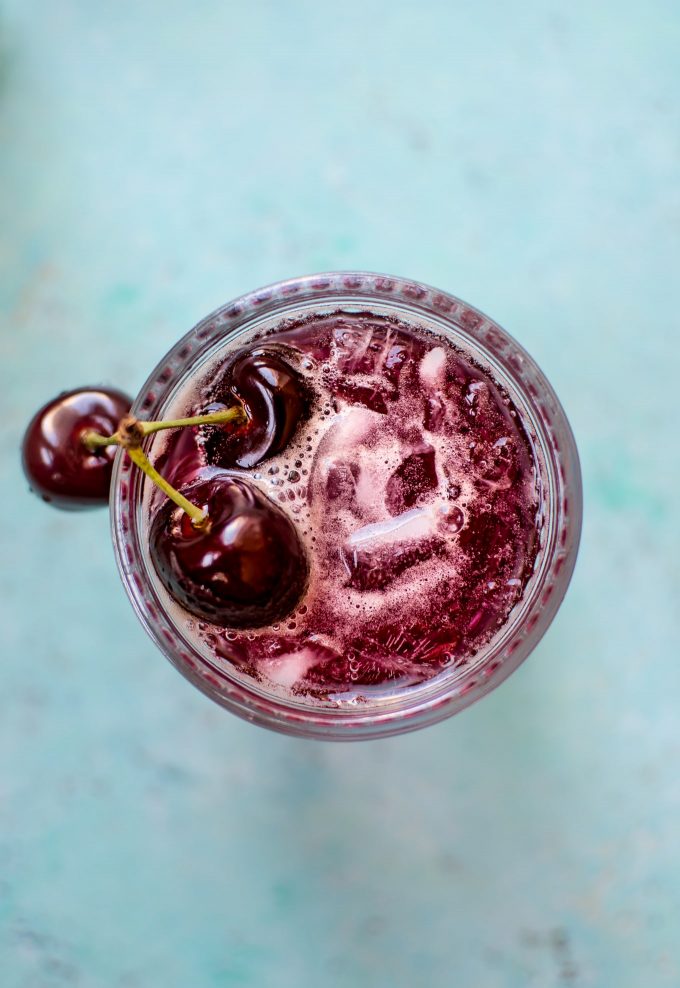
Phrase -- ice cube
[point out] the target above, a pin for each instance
(412, 481)
(353, 425)
(353, 348)
(432, 368)
(435, 413)
(373, 394)
(375, 555)
(287, 670)
(412, 525)
(341, 480)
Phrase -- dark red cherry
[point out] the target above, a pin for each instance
(247, 570)
(276, 399)
(59, 468)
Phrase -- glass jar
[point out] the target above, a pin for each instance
(560, 481)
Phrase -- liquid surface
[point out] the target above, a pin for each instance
(414, 489)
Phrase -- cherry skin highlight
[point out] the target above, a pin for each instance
(246, 569)
(59, 467)
(276, 400)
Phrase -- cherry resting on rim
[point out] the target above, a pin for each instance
(60, 468)
(244, 568)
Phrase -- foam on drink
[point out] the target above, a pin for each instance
(414, 488)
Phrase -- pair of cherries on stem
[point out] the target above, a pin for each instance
(220, 547)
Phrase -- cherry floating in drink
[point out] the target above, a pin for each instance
(275, 398)
(245, 567)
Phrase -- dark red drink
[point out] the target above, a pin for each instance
(411, 480)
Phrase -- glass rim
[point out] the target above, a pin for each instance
(449, 691)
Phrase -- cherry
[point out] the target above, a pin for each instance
(59, 467)
(276, 399)
(245, 568)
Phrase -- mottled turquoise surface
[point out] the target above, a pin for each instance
(157, 159)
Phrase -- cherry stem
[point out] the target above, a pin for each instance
(131, 432)
(198, 516)
(93, 440)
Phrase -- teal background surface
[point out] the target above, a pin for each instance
(157, 159)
